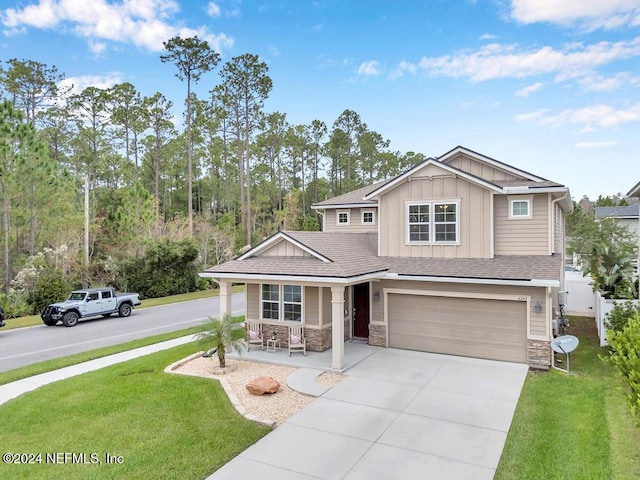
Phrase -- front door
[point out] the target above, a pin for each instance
(361, 310)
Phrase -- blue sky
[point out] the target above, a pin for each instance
(552, 87)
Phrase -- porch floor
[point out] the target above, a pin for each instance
(354, 353)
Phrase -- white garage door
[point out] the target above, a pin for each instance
(471, 327)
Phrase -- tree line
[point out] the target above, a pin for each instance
(90, 180)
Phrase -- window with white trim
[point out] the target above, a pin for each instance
(432, 222)
(342, 217)
(368, 218)
(281, 302)
(520, 207)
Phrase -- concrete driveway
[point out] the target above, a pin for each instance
(398, 414)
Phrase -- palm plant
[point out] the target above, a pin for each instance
(220, 334)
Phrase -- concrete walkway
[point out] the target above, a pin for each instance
(398, 414)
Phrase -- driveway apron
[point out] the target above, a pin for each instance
(397, 414)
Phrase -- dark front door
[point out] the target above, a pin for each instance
(361, 310)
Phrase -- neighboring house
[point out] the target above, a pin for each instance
(461, 255)
(635, 193)
(624, 215)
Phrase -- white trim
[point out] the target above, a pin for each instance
(273, 240)
(281, 303)
(476, 281)
(492, 240)
(528, 199)
(343, 212)
(373, 217)
(345, 205)
(311, 280)
(432, 222)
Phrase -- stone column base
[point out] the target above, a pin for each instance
(539, 354)
(378, 335)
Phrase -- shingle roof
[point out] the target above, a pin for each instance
(353, 197)
(354, 254)
(526, 183)
(618, 212)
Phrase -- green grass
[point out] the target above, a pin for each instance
(162, 425)
(577, 426)
(31, 320)
(49, 365)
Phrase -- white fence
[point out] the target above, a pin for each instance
(579, 299)
(602, 307)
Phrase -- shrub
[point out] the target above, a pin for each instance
(625, 355)
(50, 288)
(14, 303)
(618, 318)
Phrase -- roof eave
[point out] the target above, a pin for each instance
(244, 277)
(534, 282)
(345, 205)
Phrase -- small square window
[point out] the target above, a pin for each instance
(520, 208)
(367, 218)
(343, 218)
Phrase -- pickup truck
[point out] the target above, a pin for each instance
(92, 302)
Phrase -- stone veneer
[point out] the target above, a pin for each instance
(539, 354)
(318, 340)
(378, 335)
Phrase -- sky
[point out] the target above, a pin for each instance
(551, 87)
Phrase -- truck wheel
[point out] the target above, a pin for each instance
(124, 310)
(50, 323)
(70, 319)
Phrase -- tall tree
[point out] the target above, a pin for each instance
(317, 131)
(128, 113)
(245, 86)
(192, 57)
(350, 124)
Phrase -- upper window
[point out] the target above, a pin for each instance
(342, 217)
(282, 302)
(434, 222)
(520, 207)
(368, 218)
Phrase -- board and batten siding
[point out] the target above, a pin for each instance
(355, 220)
(253, 301)
(284, 249)
(558, 243)
(538, 320)
(479, 169)
(434, 184)
(522, 236)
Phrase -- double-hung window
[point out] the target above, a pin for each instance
(281, 302)
(432, 222)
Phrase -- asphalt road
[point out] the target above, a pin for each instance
(25, 346)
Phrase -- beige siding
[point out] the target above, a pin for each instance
(253, 301)
(522, 236)
(432, 184)
(311, 307)
(326, 305)
(355, 220)
(558, 230)
(538, 320)
(479, 168)
(284, 249)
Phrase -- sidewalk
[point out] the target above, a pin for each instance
(17, 388)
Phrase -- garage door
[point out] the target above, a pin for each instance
(482, 328)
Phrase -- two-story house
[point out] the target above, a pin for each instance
(461, 255)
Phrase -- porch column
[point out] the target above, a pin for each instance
(225, 298)
(337, 327)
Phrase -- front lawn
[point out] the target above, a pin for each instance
(152, 424)
(573, 427)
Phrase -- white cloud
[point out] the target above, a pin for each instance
(593, 117)
(213, 10)
(487, 36)
(97, 48)
(403, 67)
(590, 14)
(495, 60)
(369, 68)
(599, 144)
(525, 91)
(144, 23)
(525, 117)
(75, 85)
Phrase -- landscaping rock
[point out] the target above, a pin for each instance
(263, 385)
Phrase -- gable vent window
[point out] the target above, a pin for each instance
(433, 222)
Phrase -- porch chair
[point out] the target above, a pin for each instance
(297, 340)
(254, 334)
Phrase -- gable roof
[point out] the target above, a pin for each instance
(430, 161)
(491, 161)
(635, 191)
(276, 238)
(627, 211)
